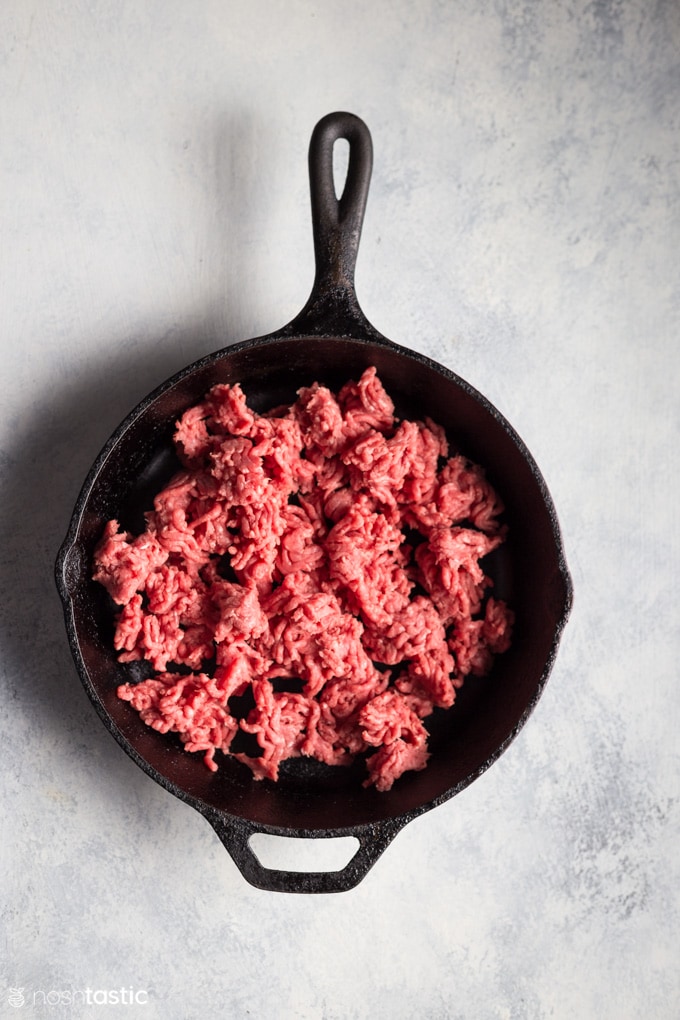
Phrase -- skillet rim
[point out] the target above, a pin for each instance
(68, 566)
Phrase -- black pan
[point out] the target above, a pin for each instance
(330, 341)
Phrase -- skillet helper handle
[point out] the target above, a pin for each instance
(373, 840)
(332, 307)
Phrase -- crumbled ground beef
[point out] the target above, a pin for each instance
(320, 563)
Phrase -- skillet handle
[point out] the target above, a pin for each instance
(332, 308)
(373, 840)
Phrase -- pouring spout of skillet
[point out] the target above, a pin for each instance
(329, 342)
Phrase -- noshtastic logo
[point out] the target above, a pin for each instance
(79, 996)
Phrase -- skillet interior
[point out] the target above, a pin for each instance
(529, 571)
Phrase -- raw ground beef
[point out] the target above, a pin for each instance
(312, 578)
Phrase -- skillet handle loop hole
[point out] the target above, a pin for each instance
(340, 167)
(304, 855)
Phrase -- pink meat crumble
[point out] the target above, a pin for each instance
(312, 578)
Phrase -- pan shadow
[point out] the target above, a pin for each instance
(40, 477)
(45, 464)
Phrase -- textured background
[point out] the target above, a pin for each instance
(522, 228)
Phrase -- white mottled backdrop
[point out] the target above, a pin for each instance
(523, 229)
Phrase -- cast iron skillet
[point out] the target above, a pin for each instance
(330, 341)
